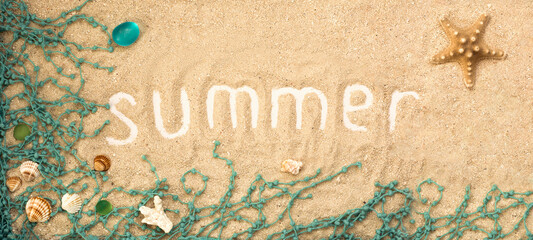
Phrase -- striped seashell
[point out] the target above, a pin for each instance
(29, 170)
(13, 183)
(71, 203)
(38, 209)
(291, 166)
(101, 163)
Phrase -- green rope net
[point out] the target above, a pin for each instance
(51, 140)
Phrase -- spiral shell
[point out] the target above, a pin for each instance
(13, 183)
(291, 166)
(38, 209)
(29, 170)
(71, 203)
(101, 163)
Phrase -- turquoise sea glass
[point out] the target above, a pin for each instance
(21, 131)
(103, 207)
(126, 33)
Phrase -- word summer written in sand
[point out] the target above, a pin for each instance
(298, 94)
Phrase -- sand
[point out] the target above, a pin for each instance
(455, 136)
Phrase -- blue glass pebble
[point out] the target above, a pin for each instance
(126, 33)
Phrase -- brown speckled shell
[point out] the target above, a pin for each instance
(101, 163)
(13, 183)
(29, 170)
(38, 209)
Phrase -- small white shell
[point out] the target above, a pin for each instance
(291, 166)
(38, 209)
(71, 203)
(29, 170)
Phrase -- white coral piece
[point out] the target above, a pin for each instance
(156, 216)
(291, 166)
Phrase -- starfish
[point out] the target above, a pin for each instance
(467, 48)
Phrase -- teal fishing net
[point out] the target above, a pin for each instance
(51, 140)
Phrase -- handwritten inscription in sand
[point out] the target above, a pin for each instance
(298, 94)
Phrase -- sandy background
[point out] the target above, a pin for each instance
(453, 135)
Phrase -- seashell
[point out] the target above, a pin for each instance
(291, 166)
(38, 209)
(13, 183)
(101, 163)
(29, 170)
(71, 203)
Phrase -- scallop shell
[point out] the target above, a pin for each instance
(29, 170)
(38, 209)
(13, 183)
(71, 203)
(291, 166)
(101, 163)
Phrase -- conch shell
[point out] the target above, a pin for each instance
(71, 203)
(13, 183)
(29, 170)
(156, 216)
(101, 163)
(38, 209)
(291, 166)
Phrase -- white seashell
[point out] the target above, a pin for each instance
(291, 166)
(156, 216)
(29, 170)
(38, 209)
(71, 203)
(13, 183)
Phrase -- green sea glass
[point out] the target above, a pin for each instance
(126, 33)
(21, 131)
(104, 207)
